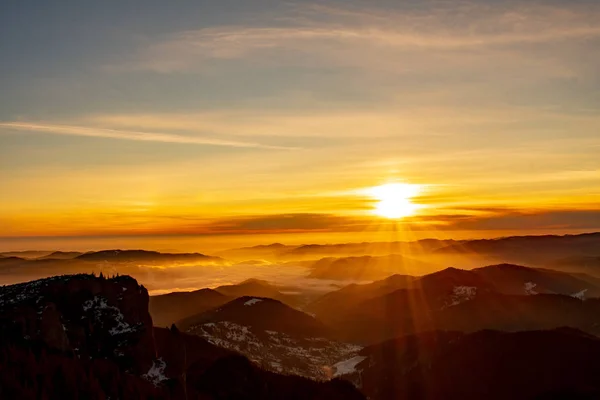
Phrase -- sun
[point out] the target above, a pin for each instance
(394, 200)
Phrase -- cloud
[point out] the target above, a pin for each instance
(445, 220)
(520, 220)
(464, 219)
(275, 223)
(130, 135)
(388, 120)
(337, 34)
(491, 219)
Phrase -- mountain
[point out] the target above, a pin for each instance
(533, 250)
(144, 256)
(555, 364)
(273, 335)
(501, 278)
(366, 268)
(538, 251)
(341, 301)
(515, 279)
(61, 255)
(494, 297)
(262, 314)
(257, 288)
(26, 254)
(6, 260)
(281, 252)
(81, 336)
(589, 264)
(176, 307)
(368, 248)
(169, 308)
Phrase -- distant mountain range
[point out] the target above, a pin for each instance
(520, 297)
(366, 268)
(26, 254)
(133, 262)
(61, 255)
(281, 252)
(144, 256)
(567, 252)
(343, 262)
(111, 256)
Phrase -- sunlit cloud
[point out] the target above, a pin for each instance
(388, 121)
(331, 33)
(459, 219)
(128, 135)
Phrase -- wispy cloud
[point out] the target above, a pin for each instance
(298, 223)
(386, 121)
(329, 32)
(130, 135)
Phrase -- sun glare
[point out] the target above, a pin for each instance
(394, 200)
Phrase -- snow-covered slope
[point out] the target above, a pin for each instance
(276, 351)
(275, 336)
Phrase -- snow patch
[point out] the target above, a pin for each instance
(99, 307)
(460, 294)
(580, 295)
(156, 374)
(276, 351)
(348, 366)
(529, 288)
(252, 302)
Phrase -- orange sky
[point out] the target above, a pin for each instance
(277, 120)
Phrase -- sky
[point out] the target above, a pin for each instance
(218, 118)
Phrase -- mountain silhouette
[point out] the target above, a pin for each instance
(494, 297)
(81, 336)
(553, 364)
(143, 255)
(169, 308)
(365, 268)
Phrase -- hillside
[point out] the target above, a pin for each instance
(273, 335)
(484, 365)
(263, 314)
